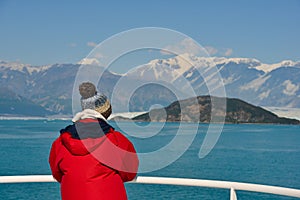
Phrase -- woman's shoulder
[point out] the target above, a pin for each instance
(121, 140)
(118, 134)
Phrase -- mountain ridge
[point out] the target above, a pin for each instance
(51, 86)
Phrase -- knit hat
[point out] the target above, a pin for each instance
(90, 99)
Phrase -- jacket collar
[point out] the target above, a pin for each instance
(88, 113)
(85, 135)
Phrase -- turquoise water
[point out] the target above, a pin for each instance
(264, 154)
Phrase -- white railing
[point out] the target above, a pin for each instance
(232, 186)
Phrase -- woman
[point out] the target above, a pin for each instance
(90, 159)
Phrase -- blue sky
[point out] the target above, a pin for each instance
(48, 32)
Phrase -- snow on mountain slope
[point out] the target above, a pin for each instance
(89, 61)
(270, 67)
(256, 83)
(165, 69)
(16, 66)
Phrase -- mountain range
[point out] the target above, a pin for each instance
(49, 88)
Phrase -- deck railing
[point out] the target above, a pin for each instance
(232, 186)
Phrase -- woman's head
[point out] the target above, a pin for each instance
(91, 99)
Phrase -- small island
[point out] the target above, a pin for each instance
(237, 111)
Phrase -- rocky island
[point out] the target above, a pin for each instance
(237, 111)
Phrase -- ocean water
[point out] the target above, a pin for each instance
(263, 154)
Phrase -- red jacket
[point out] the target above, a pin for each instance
(94, 165)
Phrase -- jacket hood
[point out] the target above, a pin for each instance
(84, 136)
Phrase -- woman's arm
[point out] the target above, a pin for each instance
(129, 158)
(53, 160)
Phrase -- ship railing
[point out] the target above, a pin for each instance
(232, 186)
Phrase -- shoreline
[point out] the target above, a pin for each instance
(33, 118)
(2, 118)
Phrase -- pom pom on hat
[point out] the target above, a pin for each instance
(90, 99)
(87, 90)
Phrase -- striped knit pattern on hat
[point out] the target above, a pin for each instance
(99, 102)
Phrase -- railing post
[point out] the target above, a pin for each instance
(232, 194)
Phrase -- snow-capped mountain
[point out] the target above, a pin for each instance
(245, 78)
(47, 86)
(51, 86)
(184, 65)
(270, 67)
(23, 68)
